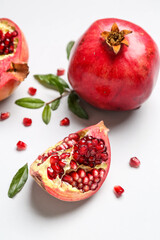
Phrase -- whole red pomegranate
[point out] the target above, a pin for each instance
(114, 65)
(75, 168)
(13, 57)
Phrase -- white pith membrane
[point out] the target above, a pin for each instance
(41, 169)
(5, 27)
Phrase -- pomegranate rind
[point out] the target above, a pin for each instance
(62, 190)
(9, 81)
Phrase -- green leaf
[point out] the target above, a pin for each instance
(46, 114)
(69, 47)
(18, 181)
(30, 102)
(52, 81)
(55, 104)
(74, 106)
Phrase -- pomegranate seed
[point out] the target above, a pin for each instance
(76, 155)
(6, 51)
(39, 157)
(60, 72)
(95, 173)
(134, 162)
(2, 47)
(83, 150)
(8, 35)
(59, 148)
(74, 136)
(27, 122)
(11, 49)
(64, 155)
(94, 186)
(67, 178)
(54, 159)
(104, 156)
(101, 173)
(85, 180)
(75, 176)
(21, 145)
(81, 160)
(79, 180)
(32, 91)
(97, 180)
(65, 145)
(44, 159)
(56, 168)
(86, 188)
(14, 34)
(95, 142)
(62, 164)
(90, 176)
(74, 184)
(73, 165)
(4, 116)
(7, 42)
(80, 185)
(51, 174)
(64, 122)
(118, 190)
(81, 173)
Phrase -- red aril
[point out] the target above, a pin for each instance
(134, 162)
(13, 57)
(67, 177)
(27, 122)
(60, 71)
(118, 190)
(32, 91)
(4, 116)
(65, 122)
(114, 65)
(21, 145)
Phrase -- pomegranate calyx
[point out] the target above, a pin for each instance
(19, 70)
(115, 38)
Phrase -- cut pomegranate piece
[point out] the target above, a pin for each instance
(32, 91)
(27, 122)
(134, 162)
(72, 174)
(60, 72)
(21, 145)
(118, 190)
(13, 57)
(65, 122)
(4, 116)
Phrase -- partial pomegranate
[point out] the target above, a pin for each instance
(13, 57)
(75, 168)
(134, 162)
(114, 65)
(118, 190)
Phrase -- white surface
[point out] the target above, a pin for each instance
(33, 214)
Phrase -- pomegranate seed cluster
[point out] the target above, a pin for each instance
(87, 151)
(90, 151)
(7, 42)
(83, 180)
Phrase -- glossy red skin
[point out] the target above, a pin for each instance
(8, 81)
(109, 81)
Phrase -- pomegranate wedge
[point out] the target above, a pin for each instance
(76, 167)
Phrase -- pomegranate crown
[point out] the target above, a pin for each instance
(116, 38)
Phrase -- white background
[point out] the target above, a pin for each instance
(34, 214)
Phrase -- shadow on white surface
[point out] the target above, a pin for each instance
(48, 206)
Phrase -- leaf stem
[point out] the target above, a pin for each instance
(61, 96)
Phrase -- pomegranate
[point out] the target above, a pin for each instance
(114, 65)
(13, 57)
(75, 168)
